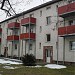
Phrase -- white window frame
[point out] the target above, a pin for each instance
(72, 43)
(48, 20)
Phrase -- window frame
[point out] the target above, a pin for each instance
(30, 46)
(40, 13)
(48, 20)
(15, 46)
(48, 37)
(40, 45)
(71, 45)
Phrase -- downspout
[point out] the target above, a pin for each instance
(22, 46)
(19, 43)
(12, 44)
(64, 46)
(35, 42)
(29, 35)
(57, 36)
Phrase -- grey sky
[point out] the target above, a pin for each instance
(22, 5)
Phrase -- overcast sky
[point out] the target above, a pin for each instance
(21, 5)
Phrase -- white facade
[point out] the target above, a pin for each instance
(41, 47)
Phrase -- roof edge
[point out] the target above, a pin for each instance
(32, 9)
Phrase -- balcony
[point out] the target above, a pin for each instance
(13, 38)
(14, 25)
(27, 21)
(0, 30)
(26, 36)
(0, 40)
(66, 31)
(66, 10)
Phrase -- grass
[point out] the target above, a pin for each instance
(22, 70)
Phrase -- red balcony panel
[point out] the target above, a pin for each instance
(13, 25)
(26, 21)
(0, 30)
(61, 30)
(69, 8)
(66, 30)
(12, 37)
(0, 40)
(70, 29)
(26, 36)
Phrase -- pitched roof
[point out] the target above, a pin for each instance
(32, 9)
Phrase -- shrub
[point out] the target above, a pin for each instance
(29, 60)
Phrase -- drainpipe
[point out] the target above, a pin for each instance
(12, 44)
(57, 36)
(22, 44)
(19, 43)
(12, 49)
(25, 47)
(64, 46)
(7, 42)
(35, 42)
(22, 49)
(29, 35)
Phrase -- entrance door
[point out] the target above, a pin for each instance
(48, 56)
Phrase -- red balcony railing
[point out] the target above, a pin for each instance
(13, 25)
(0, 40)
(68, 30)
(0, 30)
(13, 38)
(26, 36)
(26, 21)
(66, 9)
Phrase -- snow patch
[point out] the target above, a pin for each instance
(2, 61)
(55, 66)
(34, 66)
(9, 67)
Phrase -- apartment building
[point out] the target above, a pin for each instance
(46, 31)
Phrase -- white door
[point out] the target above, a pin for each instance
(48, 56)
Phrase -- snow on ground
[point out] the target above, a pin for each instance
(3, 61)
(9, 67)
(34, 66)
(55, 66)
(14, 61)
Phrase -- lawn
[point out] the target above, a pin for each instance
(22, 70)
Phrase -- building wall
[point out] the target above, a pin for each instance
(40, 35)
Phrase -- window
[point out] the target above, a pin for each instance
(47, 53)
(71, 22)
(30, 46)
(48, 20)
(31, 30)
(40, 29)
(47, 8)
(31, 15)
(48, 37)
(16, 32)
(39, 45)
(40, 13)
(15, 46)
(72, 45)
(70, 1)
